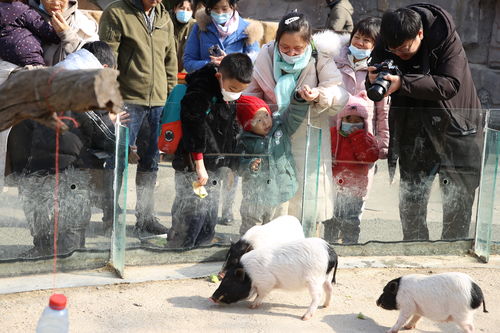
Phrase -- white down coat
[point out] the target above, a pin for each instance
(332, 98)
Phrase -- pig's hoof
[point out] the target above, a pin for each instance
(253, 306)
(326, 305)
(307, 316)
(409, 327)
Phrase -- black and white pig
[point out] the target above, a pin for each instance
(440, 297)
(278, 231)
(305, 263)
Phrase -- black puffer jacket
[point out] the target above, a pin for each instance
(82, 146)
(213, 133)
(438, 94)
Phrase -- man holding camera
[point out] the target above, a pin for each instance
(435, 118)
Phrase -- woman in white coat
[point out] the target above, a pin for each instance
(297, 60)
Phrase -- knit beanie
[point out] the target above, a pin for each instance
(247, 107)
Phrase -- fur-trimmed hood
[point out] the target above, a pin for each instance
(253, 29)
(329, 42)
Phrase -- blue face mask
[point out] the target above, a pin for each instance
(183, 16)
(359, 53)
(351, 127)
(221, 18)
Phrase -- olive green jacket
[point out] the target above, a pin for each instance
(147, 60)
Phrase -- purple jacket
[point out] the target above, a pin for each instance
(21, 31)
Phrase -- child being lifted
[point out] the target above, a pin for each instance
(267, 166)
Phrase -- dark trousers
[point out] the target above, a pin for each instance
(36, 192)
(345, 224)
(144, 126)
(193, 218)
(418, 170)
(347, 213)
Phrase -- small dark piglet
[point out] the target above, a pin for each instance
(440, 297)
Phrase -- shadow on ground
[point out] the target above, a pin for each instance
(349, 323)
(267, 309)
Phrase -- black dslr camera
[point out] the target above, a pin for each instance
(380, 86)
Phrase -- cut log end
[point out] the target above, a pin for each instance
(37, 94)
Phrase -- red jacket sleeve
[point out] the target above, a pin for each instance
(364, 146)
(197, 156)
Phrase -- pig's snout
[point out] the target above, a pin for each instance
(221, 275)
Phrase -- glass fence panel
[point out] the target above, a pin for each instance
(253, 177)
(488, 203)
(74, 192)
(120, 183)
(420, 184)
(312, 164)
(422, 188)
(494, 125)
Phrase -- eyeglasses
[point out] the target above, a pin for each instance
(401, 50)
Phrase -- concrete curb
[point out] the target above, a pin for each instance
(140, 274)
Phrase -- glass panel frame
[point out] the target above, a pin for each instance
(487, 192)
(311, 181)
(120, 186)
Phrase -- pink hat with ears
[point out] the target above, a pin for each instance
(357, 105)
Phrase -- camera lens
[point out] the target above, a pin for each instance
(376, 93)
(379, 87)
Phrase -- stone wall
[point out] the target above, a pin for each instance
(478, 23)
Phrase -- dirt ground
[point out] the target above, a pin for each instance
(182, 306)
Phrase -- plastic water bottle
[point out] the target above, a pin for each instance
(54, 318)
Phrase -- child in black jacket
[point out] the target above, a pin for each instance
(209, 127)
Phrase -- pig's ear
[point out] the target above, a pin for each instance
(240, 274)
(393, 287)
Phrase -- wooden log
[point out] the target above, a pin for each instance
(38, 94)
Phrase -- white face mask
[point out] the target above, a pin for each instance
(230, 96)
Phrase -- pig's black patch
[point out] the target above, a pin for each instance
(236, 251)
(477, 297)
(333, 262)
(235, 286)
(388, 298)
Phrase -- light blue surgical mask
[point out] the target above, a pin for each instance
(359, 53)
(183, 16)
(221, 18)
(292, 60)
(348, 128)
